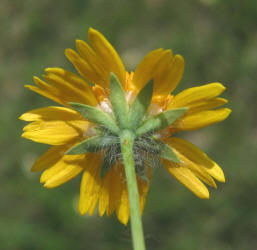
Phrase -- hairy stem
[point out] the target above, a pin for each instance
(127, 141)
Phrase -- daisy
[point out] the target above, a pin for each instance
(98, 112)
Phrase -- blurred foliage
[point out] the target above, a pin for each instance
(218, 40)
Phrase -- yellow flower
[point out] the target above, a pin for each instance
(63, 127)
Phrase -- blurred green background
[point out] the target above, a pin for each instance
(218, 39)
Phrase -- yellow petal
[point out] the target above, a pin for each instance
(191, 95)
(122, 209)
(64, 170)
(118, 197)
(66, 91)
(53, 132)
(54, 125)
(83, 67)
(44, 86)
(198, 157)
(50, 113)
(145, 69)
(143, 188)
(89, 55)
(159, 72)
(201, 119)
(187, 178)
(205, 178)
(49, 158)
(196, 169)
(170, 77)
(46, 91)
(116, 188)
(105, 192)
(71, 78)
(70, 91)
(206, 104)
(114, 194)
(90, 184)
(162, 65)
(108, 54)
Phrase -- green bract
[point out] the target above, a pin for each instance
(160, 121)
(139, 107)
(119, 103)
(96, 116)
(133, 120)
(93, 144)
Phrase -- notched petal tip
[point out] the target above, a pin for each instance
(81, 212)
(70, 53)
(218, 86)
(214, 185)
(221, 100)
(28, 86)
(224, 113)
(79, 42)
(124, 222)
(179, 58)
(220, 176)
(26, 134)
(48, 185)
(55, 70)
(228, 111)
(93, 31)
(80, 45)
(50, 70)
(167, 52)
(22, 117)
(205, 196)
(37, 79)
(95, 34)
(42, 178)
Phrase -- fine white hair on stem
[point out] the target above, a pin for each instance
(146, 152)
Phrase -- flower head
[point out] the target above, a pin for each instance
(105, 99)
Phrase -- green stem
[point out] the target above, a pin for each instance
(127, 140)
